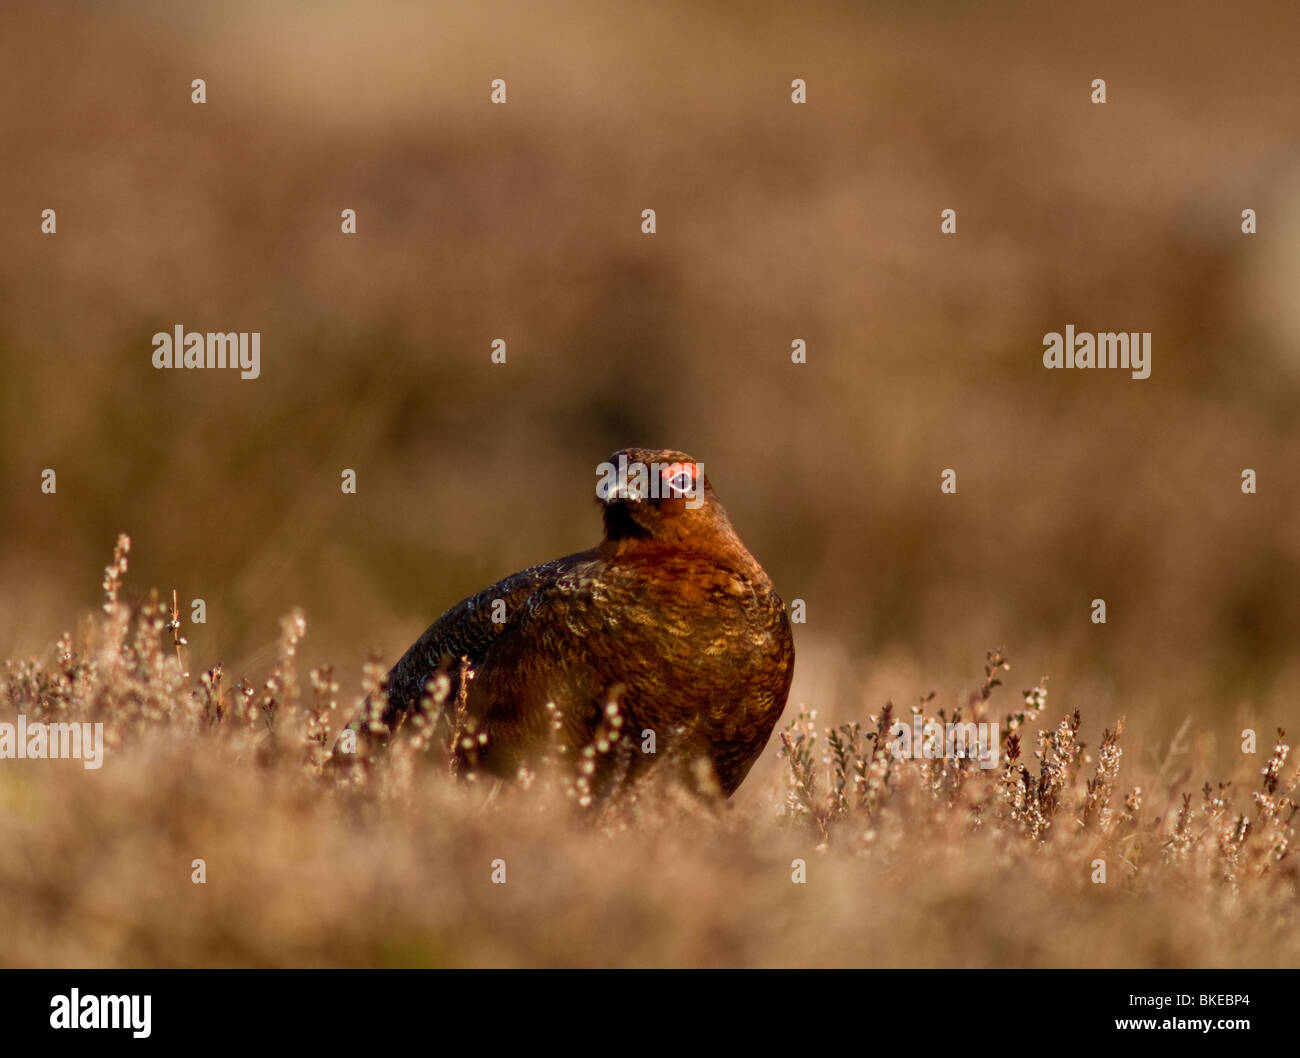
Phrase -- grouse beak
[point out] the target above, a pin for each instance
(622, 492)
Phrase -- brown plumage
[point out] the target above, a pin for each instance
(669, 615)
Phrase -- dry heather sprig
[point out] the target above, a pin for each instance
(174, 626)
(320, 723)
(461, 738)
(374, 692)
(1058, 754)
(1277, 813)
(119, 615)
(114, 572)
(609, 733)
(1035, 701)
(429, 712)
(209, 697)
(994, 663)
(876, 771)
(1096, 810)
(1273, 771)
(280, 692)
(844, 756)
(797, 742)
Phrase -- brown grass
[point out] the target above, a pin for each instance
(908, 862)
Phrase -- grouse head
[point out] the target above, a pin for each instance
(655, 498)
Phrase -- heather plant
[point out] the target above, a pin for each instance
(385, 861)
(1066, 799)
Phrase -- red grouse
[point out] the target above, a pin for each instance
(669, 616)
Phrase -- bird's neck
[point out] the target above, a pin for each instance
(720, 547)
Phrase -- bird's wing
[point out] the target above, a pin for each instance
(467, 630)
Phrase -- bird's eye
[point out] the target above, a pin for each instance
(681, 483)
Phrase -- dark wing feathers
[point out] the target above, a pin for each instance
(465, 631)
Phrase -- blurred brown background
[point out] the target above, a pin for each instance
(776, 221)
